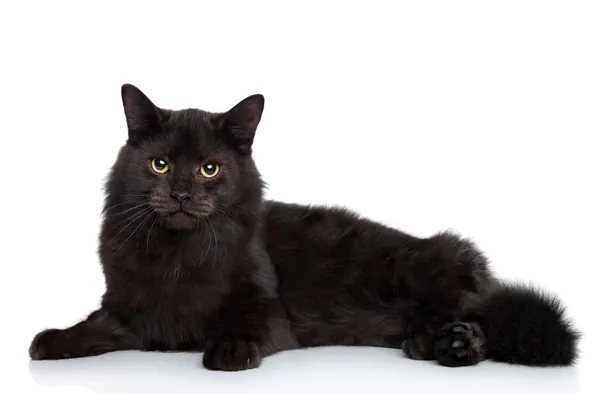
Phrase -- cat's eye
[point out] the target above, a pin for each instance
(209, 170)
(160, 166)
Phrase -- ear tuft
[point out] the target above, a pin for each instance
(243, 119)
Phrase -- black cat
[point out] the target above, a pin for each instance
(195, 259)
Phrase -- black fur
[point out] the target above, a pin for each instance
(202, 263)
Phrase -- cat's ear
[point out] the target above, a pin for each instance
(143, 117)
(241, 121)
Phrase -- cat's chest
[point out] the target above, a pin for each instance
(170, 314)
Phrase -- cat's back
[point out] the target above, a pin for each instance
(323, 230)
(329, 244)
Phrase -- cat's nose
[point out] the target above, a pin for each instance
(181, 196)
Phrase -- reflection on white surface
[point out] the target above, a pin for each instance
(333, 369)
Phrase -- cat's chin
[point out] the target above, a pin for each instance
(180, 221)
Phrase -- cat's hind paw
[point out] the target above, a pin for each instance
(460, 344)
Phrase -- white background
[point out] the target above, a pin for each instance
(477, 116)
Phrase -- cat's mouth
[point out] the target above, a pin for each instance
(180, 220)
(181, 214)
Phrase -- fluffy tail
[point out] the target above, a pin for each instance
(524, 325)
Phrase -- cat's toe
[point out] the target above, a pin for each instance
(460, 344)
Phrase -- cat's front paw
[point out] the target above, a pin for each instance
(43, 346)
(231, 354)
(460, 344)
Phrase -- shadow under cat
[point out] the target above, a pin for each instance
(318, 370)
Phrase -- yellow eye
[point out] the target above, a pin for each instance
(160, 166)
(209, 170)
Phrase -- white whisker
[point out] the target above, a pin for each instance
(133, 232)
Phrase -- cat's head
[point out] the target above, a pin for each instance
(185, 165)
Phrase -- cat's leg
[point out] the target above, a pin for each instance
(420, 347)
(422, 333)
(250, 328)
(455, 274)
(99, 333)
(460, 344)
